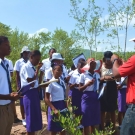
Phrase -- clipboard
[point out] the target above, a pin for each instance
(28, 87)
(75, 60)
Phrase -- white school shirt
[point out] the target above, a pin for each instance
(49, 73)
(85, 77)
(10, 64)
(4, 86)
(75, 78)
(56, 90)
(18, 64)
(46, 65)
(122, 79)
(71, 72)
(27, 71)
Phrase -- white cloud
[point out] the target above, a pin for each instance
(45, 30)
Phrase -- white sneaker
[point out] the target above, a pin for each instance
(80, 127)
(24, 122)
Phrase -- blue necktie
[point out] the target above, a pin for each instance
(8, 78)
(64, 89)
(95, 83)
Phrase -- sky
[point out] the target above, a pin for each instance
(33, 16)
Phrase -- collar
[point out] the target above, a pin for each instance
(30, 64)
(22, 60)
(5, 60)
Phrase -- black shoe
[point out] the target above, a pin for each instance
(17, 120)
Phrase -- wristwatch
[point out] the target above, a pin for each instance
(114, 60)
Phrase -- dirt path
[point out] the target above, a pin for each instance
(19, 129)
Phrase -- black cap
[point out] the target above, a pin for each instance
(108, 54)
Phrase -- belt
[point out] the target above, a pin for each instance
(131, 105)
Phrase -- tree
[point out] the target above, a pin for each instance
(40, 42)
(88, 22)
(64, 44)
(17, 41)
(121, 14)
(5, 30)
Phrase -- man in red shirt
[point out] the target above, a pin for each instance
(127, 69)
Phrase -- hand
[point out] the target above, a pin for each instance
(119, 87)
(39, 65)
(76, 85)
(14, 96)
(56, 112)
(90, 82)
(108, 78)
(114, 56)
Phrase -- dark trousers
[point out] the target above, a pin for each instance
(128, 123)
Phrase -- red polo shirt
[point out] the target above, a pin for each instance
(128, 69)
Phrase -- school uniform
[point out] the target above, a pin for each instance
(122, 97)
(70, 91)
(57, 96)
(46, 65)
(6, 113)
(31, 99)
(17, 67)
(90, 104)
(76, 94)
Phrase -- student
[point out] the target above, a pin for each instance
(56, 91)
(16, 120)
(6, 113)
(18, 65)
(74, 86)
(46, 65)
(90, 105)
(108, 101)
(57, 58)
(31, 99)
(121, 100)
(69, 76)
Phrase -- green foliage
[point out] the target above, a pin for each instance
(88, 22)
(70, 123)
(64, 44)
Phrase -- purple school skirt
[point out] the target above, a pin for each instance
(76, 101)
(122, 100)
(55, 126)
(70, 93)
(32, 110)
(90, 109)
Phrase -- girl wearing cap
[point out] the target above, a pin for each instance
(31, 99)
(56, 91)
(74, 85)
(57, 58)
(18, 65)
(90, 104)
(108, 101)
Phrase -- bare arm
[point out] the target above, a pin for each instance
(82, 87)
(47, 100)
(17, 80)
(41, 76)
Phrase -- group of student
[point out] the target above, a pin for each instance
(83, 90)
